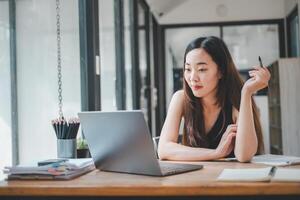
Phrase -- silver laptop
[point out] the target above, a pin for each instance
(120, 141)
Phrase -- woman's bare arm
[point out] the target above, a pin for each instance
(246, 139)
(168, 148)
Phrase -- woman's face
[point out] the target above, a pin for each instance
(201, 73)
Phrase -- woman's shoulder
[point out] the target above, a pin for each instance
(178, 95)
(178, 98)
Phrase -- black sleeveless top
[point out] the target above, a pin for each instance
(216, 132)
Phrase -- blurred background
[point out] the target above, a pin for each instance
(128, 54)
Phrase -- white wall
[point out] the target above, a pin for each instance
(197, 11)
(263, 106)
(37, 73)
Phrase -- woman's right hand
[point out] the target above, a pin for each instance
(226, 144)
(260, 77)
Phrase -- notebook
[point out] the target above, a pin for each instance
(120, 141)
(266, 174)
(268, 159)
(65, 170)
(276, 160)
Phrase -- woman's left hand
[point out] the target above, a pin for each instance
(260, 77)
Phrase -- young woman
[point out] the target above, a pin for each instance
(220, 116)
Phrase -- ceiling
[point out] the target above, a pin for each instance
(162, 7)
(201, 11)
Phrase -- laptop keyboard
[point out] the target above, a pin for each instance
(175, 168)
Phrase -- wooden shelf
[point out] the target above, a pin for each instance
(283, 99)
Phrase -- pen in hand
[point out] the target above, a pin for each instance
(260, 62)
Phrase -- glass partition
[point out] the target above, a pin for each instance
(247, 42)
(127, 50)
(294, 40)
(293, 33)
(5, 90)
(37, 73)
(143, 65)
(107, 55)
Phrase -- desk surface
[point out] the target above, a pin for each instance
(201, 183)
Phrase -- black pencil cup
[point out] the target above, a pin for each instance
(66, 148)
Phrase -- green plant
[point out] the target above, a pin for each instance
(81, 143)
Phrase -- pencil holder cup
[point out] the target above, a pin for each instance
(66, 148)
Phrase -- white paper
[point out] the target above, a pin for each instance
(287, 175)
(276, 160)
(251, 174)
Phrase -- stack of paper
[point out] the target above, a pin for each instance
(63, 170)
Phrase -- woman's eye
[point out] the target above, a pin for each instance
(202, 70)
(187, 69)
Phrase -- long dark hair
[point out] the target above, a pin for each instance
(228, 92)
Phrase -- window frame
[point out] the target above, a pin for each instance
(289, 18)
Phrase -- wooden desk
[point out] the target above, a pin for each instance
(193, 184)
